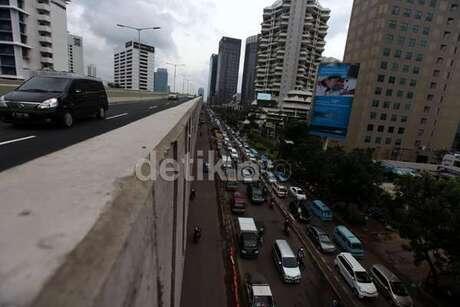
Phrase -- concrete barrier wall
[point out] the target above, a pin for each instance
(78, 228)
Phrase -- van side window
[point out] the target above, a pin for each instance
(382, 278)
(77, 85)
(277, 252)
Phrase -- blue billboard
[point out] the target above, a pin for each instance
(335, 88)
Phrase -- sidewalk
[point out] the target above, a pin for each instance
(204, 272)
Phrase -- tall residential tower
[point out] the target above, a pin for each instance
(228, 65)
(75, 49)
(248, 94)
(407, 101)
(289, 51)
(161, 80)
(212, 78)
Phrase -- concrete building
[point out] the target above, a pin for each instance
(75, 49)
(289, 52)
(406, 105)
(228, 65)
(133, 66)
(248, 93)
(212, 78)
(161, 80)
(33, 37)
(92, 70)
(201, 92)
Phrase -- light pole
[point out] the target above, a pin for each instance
(139, 30)
(175, 71)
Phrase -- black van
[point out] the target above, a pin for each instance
(60, 98)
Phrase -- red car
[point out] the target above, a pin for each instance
(238, 203)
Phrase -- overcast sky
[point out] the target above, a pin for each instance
(190, 32)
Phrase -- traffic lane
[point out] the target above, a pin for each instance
(329, 259)
(313, 290)
(11, 132)
(48, 138)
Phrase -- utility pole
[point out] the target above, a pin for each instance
(175, 65)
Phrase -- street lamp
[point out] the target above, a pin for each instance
(175, 70)
(139, 30)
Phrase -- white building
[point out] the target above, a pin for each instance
(75, 49)
(91, 70)
(33, 36)
(134, 68)
(291, 42)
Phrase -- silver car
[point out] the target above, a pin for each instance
(391, 286)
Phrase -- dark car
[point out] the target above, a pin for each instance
(238, 203)
(258, 291)
(321, 239)
(256, 193)
(60, 98)
(299, 209)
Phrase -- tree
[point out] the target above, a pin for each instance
(429, 216)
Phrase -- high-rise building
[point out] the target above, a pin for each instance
(75, 49)
(212, 78)
(290, 46)
(228, 65)
(406, 106)
(91, 70)
(134, 66)
(33, 37)
(248, 93)
(201, 92)
(161, 80)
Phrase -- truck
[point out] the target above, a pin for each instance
(248, 237)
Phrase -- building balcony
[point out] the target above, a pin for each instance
(46, 49)
(43, 7)
(46, 60)
(45, 39)
(46, 18)
(42, 28)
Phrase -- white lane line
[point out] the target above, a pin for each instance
(153, 107)
(116, 116)
(18, 140)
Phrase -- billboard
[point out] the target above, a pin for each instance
(264, 96)
(335, 88)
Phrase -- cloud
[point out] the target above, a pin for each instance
(191, 30)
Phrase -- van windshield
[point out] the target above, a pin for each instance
(263, 301)
(45, 85)
(356, 246)
(290, 262)
(399, 289)
(363, 277)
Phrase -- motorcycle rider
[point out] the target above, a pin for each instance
(196, 233)
(300, 256)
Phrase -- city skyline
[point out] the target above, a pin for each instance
(200, 32)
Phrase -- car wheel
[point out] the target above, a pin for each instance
(67, 120)
(101, 114)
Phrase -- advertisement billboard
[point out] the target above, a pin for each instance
(335, 88)
(264, 96)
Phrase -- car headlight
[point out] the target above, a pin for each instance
(3, 102)
(49, 104)
(243, 251)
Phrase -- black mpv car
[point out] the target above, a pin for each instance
(59, 98)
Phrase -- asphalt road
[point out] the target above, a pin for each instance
(24, 143)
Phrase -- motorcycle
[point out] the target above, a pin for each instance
(196, 234)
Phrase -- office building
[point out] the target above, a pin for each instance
(33, 37)
(91, 70)
(75, 49)
(290, 46)
(248, 94)
(406, 106)
(212, 78)
(161, 80)
(228, 65)
(201, 92)
(133, 66)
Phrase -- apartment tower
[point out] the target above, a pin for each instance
(212, 78)
(228, 65)
(33, 37)
(407, 102)
(290, 46)
(75, 49)
(161, 80)
(248, 94)
(133, 66)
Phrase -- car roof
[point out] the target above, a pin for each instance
(386, 272)
(352, 260)
(318, 230)
(347, 233)
(64, 75)
(261, 290)
(285, 249)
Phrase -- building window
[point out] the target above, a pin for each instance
(378, 91)
(415, 28)
(407, 106)
(430, 97)
(398, 142)
(400, 93)
(386, 105)
(394, 66)
(426, 31)
(405, 68)
(383, 65)
(375, 103)
(392, 80)
(402, 81)
(389, 38)
(423, 121)
(433, 85)
(386, 51)
(419, 57)
(378, 140)
(389, 92)
(383, 116)
(412, 42)
(407, 12)
(398, 53)
(391, 129)
(370, 127)
(429, 16)
(413, 83)
(401, 40)
(388, 141)
(408, 56)
(403, 27)
(367, 139)
(410, 95)
(401, 130)
(373, 115)
(393, 118)
(392, 24)
(418, 15)
(381, 128)
(403, 119)
(380, 78)
(416, 70)
(395, 10)
(426, 109)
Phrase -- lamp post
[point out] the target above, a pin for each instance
(175, 65)
(139, 30)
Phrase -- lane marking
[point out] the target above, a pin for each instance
(116, 116)
(153, 107)
(18, 140)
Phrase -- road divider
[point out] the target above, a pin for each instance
(17, 140)
(116, 116)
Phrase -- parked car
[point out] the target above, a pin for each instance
(286, 262)
(238, 203)
(391, 286)
(321, 239)
(173, 96)
(55, 97)
(299, 209)
(297, 193)
(258, 291)
(280, 190)
(355, 276)
(270, 177)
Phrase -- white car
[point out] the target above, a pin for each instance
(270, 177)
(280, 190)
(297, 193)
(355, 275)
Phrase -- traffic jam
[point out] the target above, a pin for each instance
(291, 249)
